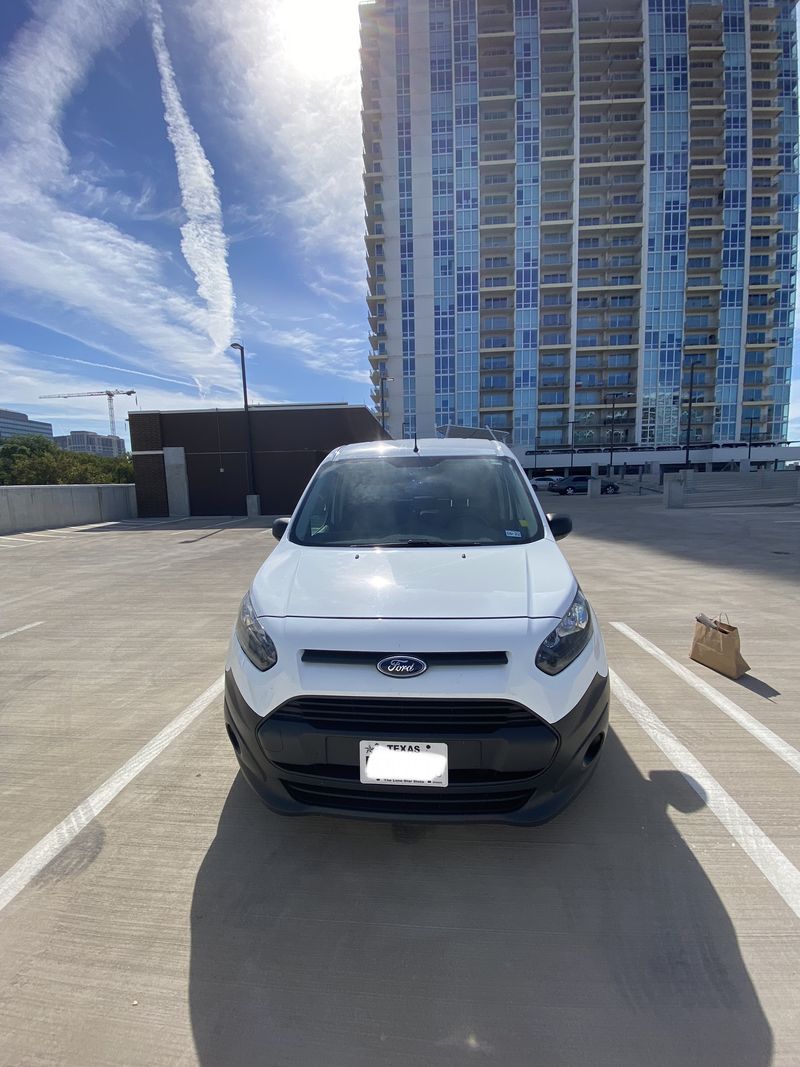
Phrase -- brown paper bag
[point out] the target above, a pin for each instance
(717, 647)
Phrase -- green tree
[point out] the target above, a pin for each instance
(37, 460)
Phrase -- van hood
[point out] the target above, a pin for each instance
(518, 581)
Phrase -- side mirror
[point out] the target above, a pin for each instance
(279, 528)
(560, 525)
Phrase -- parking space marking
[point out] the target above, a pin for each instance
(25, 869)
(773, 864)
(38, 533)
(19, 629)
(757, 729)
(22, 540)
(7, 601)
(145, 524)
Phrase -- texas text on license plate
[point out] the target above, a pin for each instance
(403, 763)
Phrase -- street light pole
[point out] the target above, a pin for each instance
(692, 365)
(751, 420)
(384, 379)
(614, 398)
(611, 442)
(250, 471)
(571, 444)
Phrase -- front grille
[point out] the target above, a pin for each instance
(441, 659)
(397, 716)
(400, 802)
(456, 776)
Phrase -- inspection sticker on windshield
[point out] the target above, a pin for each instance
(513, 533)
(403, 763)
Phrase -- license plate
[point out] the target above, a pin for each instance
(403, 763)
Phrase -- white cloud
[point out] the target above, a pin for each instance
(27, 376)
(48, 62)
(204, 245)
(287, 76)
(120, 370)
(343, 357)
(59, 258)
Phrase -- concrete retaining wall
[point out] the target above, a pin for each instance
(44, 507)
(698, 489)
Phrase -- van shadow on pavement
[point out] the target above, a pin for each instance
(594, 940)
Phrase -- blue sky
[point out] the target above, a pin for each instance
(174, 176)
(174, 179)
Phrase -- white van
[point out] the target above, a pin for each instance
(416, 646)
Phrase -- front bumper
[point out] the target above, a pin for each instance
(506, 765)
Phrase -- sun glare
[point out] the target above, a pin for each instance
(319, 37)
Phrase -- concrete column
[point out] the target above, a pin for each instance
(595, 469)
(177, 483)
(744, 466)
(253, 506)
(595, 487)
(674, 492)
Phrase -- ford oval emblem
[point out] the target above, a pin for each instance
(402, 666)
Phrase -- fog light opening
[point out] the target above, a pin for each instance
(234, 740)
(593, 751)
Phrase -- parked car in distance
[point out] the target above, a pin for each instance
(416, 646)
(579, 483)
(546, 481)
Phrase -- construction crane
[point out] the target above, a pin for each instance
(110, 393)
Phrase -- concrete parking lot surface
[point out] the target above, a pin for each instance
(653, 923)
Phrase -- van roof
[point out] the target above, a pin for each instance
(428, 446)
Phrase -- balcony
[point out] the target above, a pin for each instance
(700, 340)
(560, 88)
(495, 24)
(494, 157)
(623, 159)
(760, 339)
(764, 49)
(552, 217)
(765, 223)
(564, 27)
(557, 176)
(496, 283)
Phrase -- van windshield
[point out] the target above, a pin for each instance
(416, 502)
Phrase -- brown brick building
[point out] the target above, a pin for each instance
(195, 462)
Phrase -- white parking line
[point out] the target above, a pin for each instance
(766, 855)
(22, 540)
(19, 629)
(24, 596)
(47, 534)
(758, 730)
(15, 879)
(144, 524)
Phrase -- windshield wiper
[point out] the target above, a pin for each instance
(408, 542)
(419, 542)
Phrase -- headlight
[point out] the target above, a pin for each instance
(254, 639)
(568, 640)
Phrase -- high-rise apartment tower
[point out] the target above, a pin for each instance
(575, 210)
